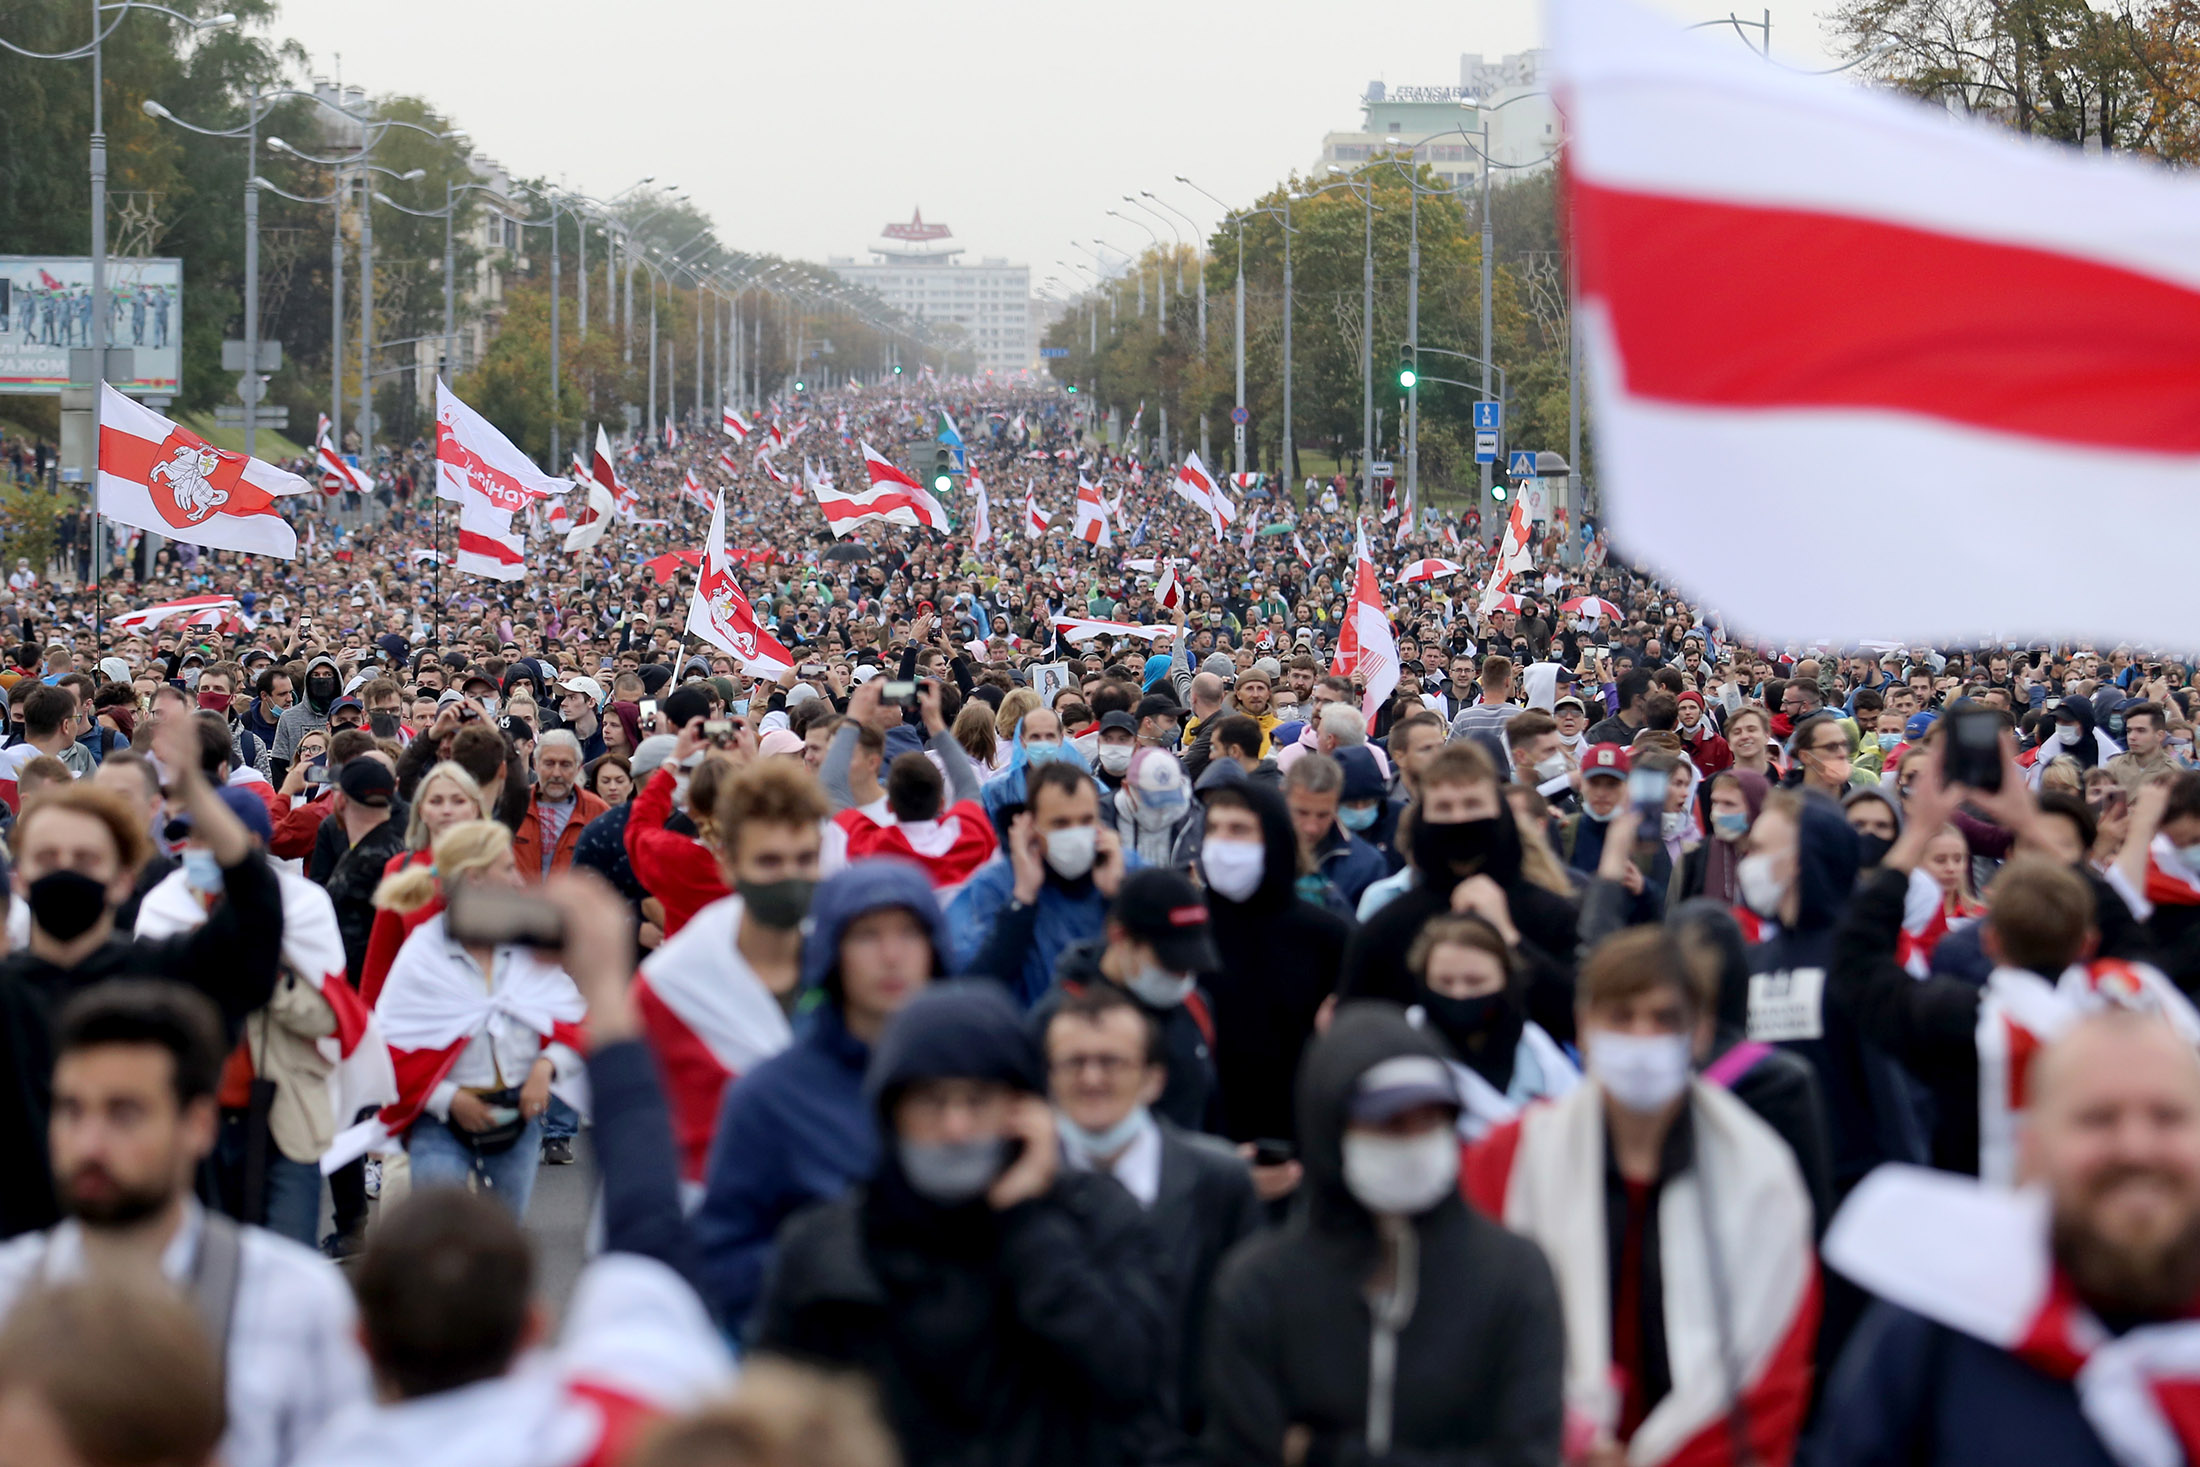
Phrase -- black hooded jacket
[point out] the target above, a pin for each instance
(1480, 1361)
(1871, 1105)
(1030, 1337)
(1375, 962)
(1281, 957)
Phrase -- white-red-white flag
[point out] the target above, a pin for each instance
(336, 476)
(1300, 546)
(600, 469)
(1782, 277)
(1036, 520)
(144, 618)
(981, 514)
(157, 475)
(691, 489)
(1091, 525)
(771, 470)
(1169, 594)
(893, 498)
(490, 480)
(1365, 643)
(726, 464)
(1085, 628)
(722, 616)
(737, 427)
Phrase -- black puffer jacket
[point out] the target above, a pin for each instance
(1031, 1337)
(1479, 1363)
(1281, 957)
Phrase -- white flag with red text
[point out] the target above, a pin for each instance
(490, 480)
(721, 615)
(157, 475)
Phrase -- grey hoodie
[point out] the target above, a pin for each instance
(299, 719)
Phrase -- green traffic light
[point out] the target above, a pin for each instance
(897, 371)
(1073, 389)
(798, 386)
(941, 483)
(1497, 492)
(1407, 377)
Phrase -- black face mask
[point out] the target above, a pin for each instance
(1463, 1021)
(320, 692)
(779, 905)
(1458, 849)
(67, 904)
(1872, 849)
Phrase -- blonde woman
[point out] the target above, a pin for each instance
(975, 731)
(445, 796)
(1014, 706)
(478, 1034)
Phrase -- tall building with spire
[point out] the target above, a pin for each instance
(915, 269)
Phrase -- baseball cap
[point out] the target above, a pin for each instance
(367, 780)
(1119, 719)
(1918, 724)
(447, 698)
(1399, 1084)
(1162, 909)
(1220, 665)
(587, 685)
(1607, 760)
(349, 700)
(1153, 705)
(1579, 706)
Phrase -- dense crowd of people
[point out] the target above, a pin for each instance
(1059, 1018)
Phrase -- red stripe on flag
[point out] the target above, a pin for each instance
(489, 546)
(127, 456)
(1733, 306)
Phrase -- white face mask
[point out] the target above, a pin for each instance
(1643, 1072)
(1550, 768)
(1762, 892)
(1159, 988)
(1070, 852)
(1671, 823)
(1115, 758)
(1401, 1176)
(1233, 867)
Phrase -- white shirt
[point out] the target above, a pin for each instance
(502, 1054)
(293, 1360)
(1137, 1166)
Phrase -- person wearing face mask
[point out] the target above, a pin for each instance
(323, 685)
(1153, 813)
(1114, 742)
(1340, 865)
(75, 860)
(1048, 887)
(1004, 1303)
(1706, 749)
(1729, 803)
(1038, 742)
(2072, 735)
(1391, 1322)
(1281, 957)
(795, 1129)
(1467, 988)
(1676, 1222)
(1367, 810)
(1876, 817)
(717, 998)
(1824, 762)
(1106, 1073)
(1467, 854)
(1157, 944)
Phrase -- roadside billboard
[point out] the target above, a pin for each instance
(46, 309)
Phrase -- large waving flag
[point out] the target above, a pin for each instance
(490, 480)
(1365, 643)
(1197, 485)
(1036, 520)
(1092, 515)
(737, 427)
(1783, 277)
(893, 498)
(145, 617)
(160, 476)
(601, 470)
(722, 616)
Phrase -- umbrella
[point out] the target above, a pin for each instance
(1258, 494)
(1283, 528)
(849, 551)
(1593, 607)
(1429, 570)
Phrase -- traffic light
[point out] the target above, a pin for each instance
(943, 468)
(897, 369)
(798, 384)
(1073, 389)
(1407, 376)
(1498, 491)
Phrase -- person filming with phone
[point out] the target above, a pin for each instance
(480, 1025)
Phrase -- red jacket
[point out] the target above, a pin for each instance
(392, 928)
(527, 841)
(296, 827)
(680, 871)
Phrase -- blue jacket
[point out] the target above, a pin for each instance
(1021, 948)
(793, 1131)
(1350, 863)
(1908, 1390)
(796, 1129)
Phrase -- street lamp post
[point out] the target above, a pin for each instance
(1199, 265)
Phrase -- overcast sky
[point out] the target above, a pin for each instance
(801, 129)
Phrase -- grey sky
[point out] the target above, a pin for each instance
(802, 128)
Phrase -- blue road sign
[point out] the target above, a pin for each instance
(1240, 415)
(1489, 417)
(1521, 463)
(1054, 351)
(1485, 448)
